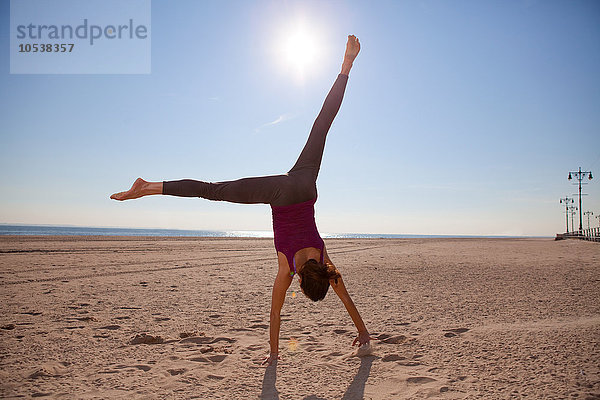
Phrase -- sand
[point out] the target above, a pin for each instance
(187, 318)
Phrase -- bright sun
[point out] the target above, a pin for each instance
(299, 51)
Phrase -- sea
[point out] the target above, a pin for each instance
(56, 230)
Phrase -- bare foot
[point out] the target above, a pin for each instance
(352, 48)
(136, 191)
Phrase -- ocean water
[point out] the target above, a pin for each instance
(49, 230)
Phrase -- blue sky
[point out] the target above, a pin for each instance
(460, 117)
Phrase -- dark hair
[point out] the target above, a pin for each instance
(315, 279)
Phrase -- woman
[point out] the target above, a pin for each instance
(300, 249)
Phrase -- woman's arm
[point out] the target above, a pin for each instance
(280, 287)
(340, 290)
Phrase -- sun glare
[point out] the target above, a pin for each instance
(299, 50)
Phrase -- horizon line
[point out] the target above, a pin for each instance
(458, 235)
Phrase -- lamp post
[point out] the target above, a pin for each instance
(572, 212)
(580, 175)
(588, 213)
(567, 200)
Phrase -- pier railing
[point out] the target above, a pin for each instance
(591, 234)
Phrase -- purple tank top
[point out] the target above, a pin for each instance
(294, 229)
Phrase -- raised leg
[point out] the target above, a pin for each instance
(309, 161)
(310, 158)
(298, 185)
(266, 189)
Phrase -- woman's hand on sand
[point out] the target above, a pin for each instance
(352, 48)
(363, 338)
(273, 357)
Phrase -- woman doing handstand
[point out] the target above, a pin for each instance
(300, 249)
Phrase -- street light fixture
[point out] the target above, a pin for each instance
(580, 175)
(566, 201)
(588, 213)
(572, 212)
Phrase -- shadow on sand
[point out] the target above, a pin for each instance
(269, 391)
(356, 390)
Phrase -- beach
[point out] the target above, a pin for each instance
(188, 318)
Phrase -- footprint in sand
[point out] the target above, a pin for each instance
(409, 363)
(393, 339)
(183, 335)
(41, 394)
(177, 371)
(223, 339)
(142, 367)
(196, 340)
(420, 380)
(101, 336)
(254, 347)
(79, 306)
(206, 340)
(110, 327)
(34, 313)
(392, 357)
(84, 319)
(117, 368)
(261, 326)
(455, 332)
(51, 369)
(144, 338)
(214, 359)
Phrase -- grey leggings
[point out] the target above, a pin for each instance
(298, 185)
